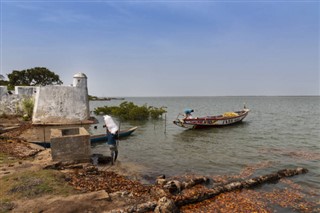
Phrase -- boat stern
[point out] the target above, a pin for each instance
(179, 122)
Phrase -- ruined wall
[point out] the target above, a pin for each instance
(11, 104)
(53, 104)
(3, 91)
(25, 90)
(71, 144)
(61, 105)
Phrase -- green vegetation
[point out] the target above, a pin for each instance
(130, 111)
(92, 97)
(31, 184)
(38, 76)
(3, 82)
(95, 98)
(27, 105)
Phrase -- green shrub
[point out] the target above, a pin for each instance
(27, 105)
(155, 112)
(130, 111)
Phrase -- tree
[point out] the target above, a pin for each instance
(38, 76)
(2, 81)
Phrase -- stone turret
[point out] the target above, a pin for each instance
(80, 80)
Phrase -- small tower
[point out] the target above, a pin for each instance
(80, 80)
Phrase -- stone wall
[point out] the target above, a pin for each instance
(70, 144)
(61, 105)
(54, 105)
(11, 104)
(25, 90)
(3, 91)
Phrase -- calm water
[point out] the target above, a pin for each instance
(282, 132)
(278, 133)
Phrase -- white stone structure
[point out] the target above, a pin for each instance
(11, 103)
(25, 90)
(3, 91)
(58, 105)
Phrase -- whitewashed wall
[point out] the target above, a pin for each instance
(3, 91)
(11, 104)
(53, 104)
(25, 90)
(61, 105)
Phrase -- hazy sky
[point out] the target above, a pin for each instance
(168, 48)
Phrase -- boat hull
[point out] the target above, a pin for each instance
(95, 138)
(104, 138)
(211, 121)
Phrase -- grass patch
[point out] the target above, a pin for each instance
(6, 206)
(32, 184)
(7, 159)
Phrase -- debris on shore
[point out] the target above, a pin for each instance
(88, 188)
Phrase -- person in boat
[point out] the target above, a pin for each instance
(187, 113)
(112, 134)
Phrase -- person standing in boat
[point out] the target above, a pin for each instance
(187, 113)
(112, 134)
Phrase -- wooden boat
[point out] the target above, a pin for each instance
(228, 118)
(103, 137)
(96, 138)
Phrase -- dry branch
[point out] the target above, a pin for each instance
(236, 185)
(250, 183)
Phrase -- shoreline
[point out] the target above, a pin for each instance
(86, 181)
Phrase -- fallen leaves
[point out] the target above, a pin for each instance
(105, 180)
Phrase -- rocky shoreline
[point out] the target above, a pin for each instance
(105, 188)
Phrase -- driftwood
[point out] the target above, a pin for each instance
(250, 183)
(144, 207)
(176, 187)
(210, 193)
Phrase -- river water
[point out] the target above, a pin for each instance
(278, 133)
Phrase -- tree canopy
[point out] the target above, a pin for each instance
(37, 76)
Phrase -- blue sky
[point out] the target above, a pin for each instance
(168, 48)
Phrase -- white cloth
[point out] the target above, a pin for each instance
(110, 124)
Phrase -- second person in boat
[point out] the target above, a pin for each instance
(187, 113)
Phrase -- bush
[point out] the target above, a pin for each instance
(130, 111)
(27, 105)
